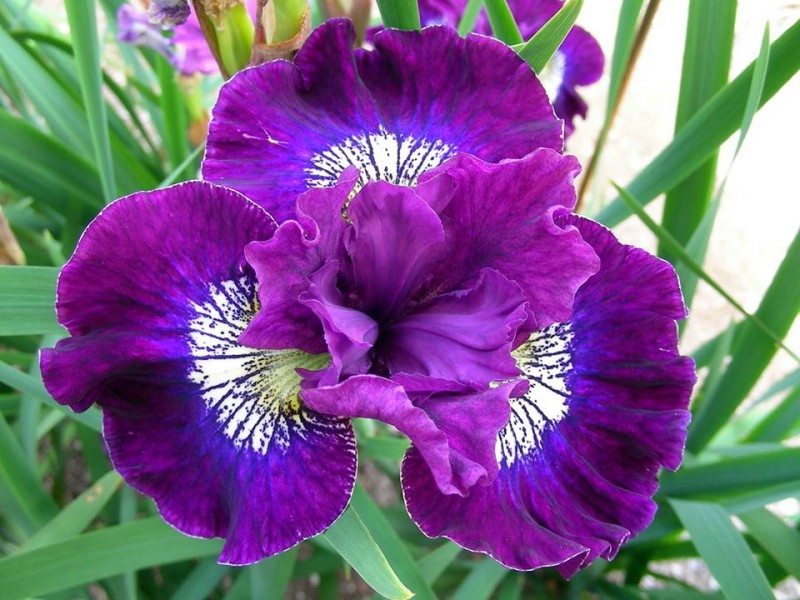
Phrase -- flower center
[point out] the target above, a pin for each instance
(379, 156)
(252, 393)
(545, 361)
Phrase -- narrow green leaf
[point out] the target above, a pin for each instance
(779, 422)
(697, 245)
(436, 562)
(21, 490)
(481, 581)
(713, 124)
(42, 166)
(779, 540)
(270, 578)
(179, 171)
(27, 301)
(202, 580)
(470, 17)
(665, 238)
(83, 30)
(98, 555)
(724, 550)
(78, 515)
(30, 385)
(736, 474)
(716, 367)
(400, 14)
(511, 588)
(393, 548)
(538, 51)
(504, 27)
(353, 541)
(174, 132)
(754, 350)
(706, 61)
(59, 109)
(623, 44)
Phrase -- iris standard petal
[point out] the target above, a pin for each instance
(465, 335)
(156, 297)
(502, 217)
(605, 407)
(416, 99)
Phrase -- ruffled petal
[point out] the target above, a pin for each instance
(211, 429)
(465, 335)
(604, 409)
(281, 128)
(502, 217)
(284, 263)
(395, 241)
(453, 426)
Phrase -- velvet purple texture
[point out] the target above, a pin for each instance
(581, 54)
(154, 310)
(428, 282)
(580, 486)
(394, 112)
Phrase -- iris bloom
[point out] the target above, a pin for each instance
(578, 62)
(529, 357)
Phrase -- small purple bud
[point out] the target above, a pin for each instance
(168, 13)
(135, 28)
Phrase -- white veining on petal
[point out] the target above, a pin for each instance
(545, 361)
(552, 76)
(378, 156)
(252, 393)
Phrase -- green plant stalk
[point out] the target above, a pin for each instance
(627, 48)
(235, 38)
(174, 134)
(706, 62)
(289, 18)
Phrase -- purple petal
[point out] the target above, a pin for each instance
(168, 13)
(515, 233)
(349, 333)
(211, 429)
(583, 64)
(394, 112)
(395, 241)
(284, 263)
(465, 335)
(453, 427)
(604, 409)
(134, 27)
(578, 62)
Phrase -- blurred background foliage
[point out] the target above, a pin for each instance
(84, 119)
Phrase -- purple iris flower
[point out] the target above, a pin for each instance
(578, 62)
(228, 353)
(417, 99)
(529, 357)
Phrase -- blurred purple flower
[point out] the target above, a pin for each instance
(186, 50)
